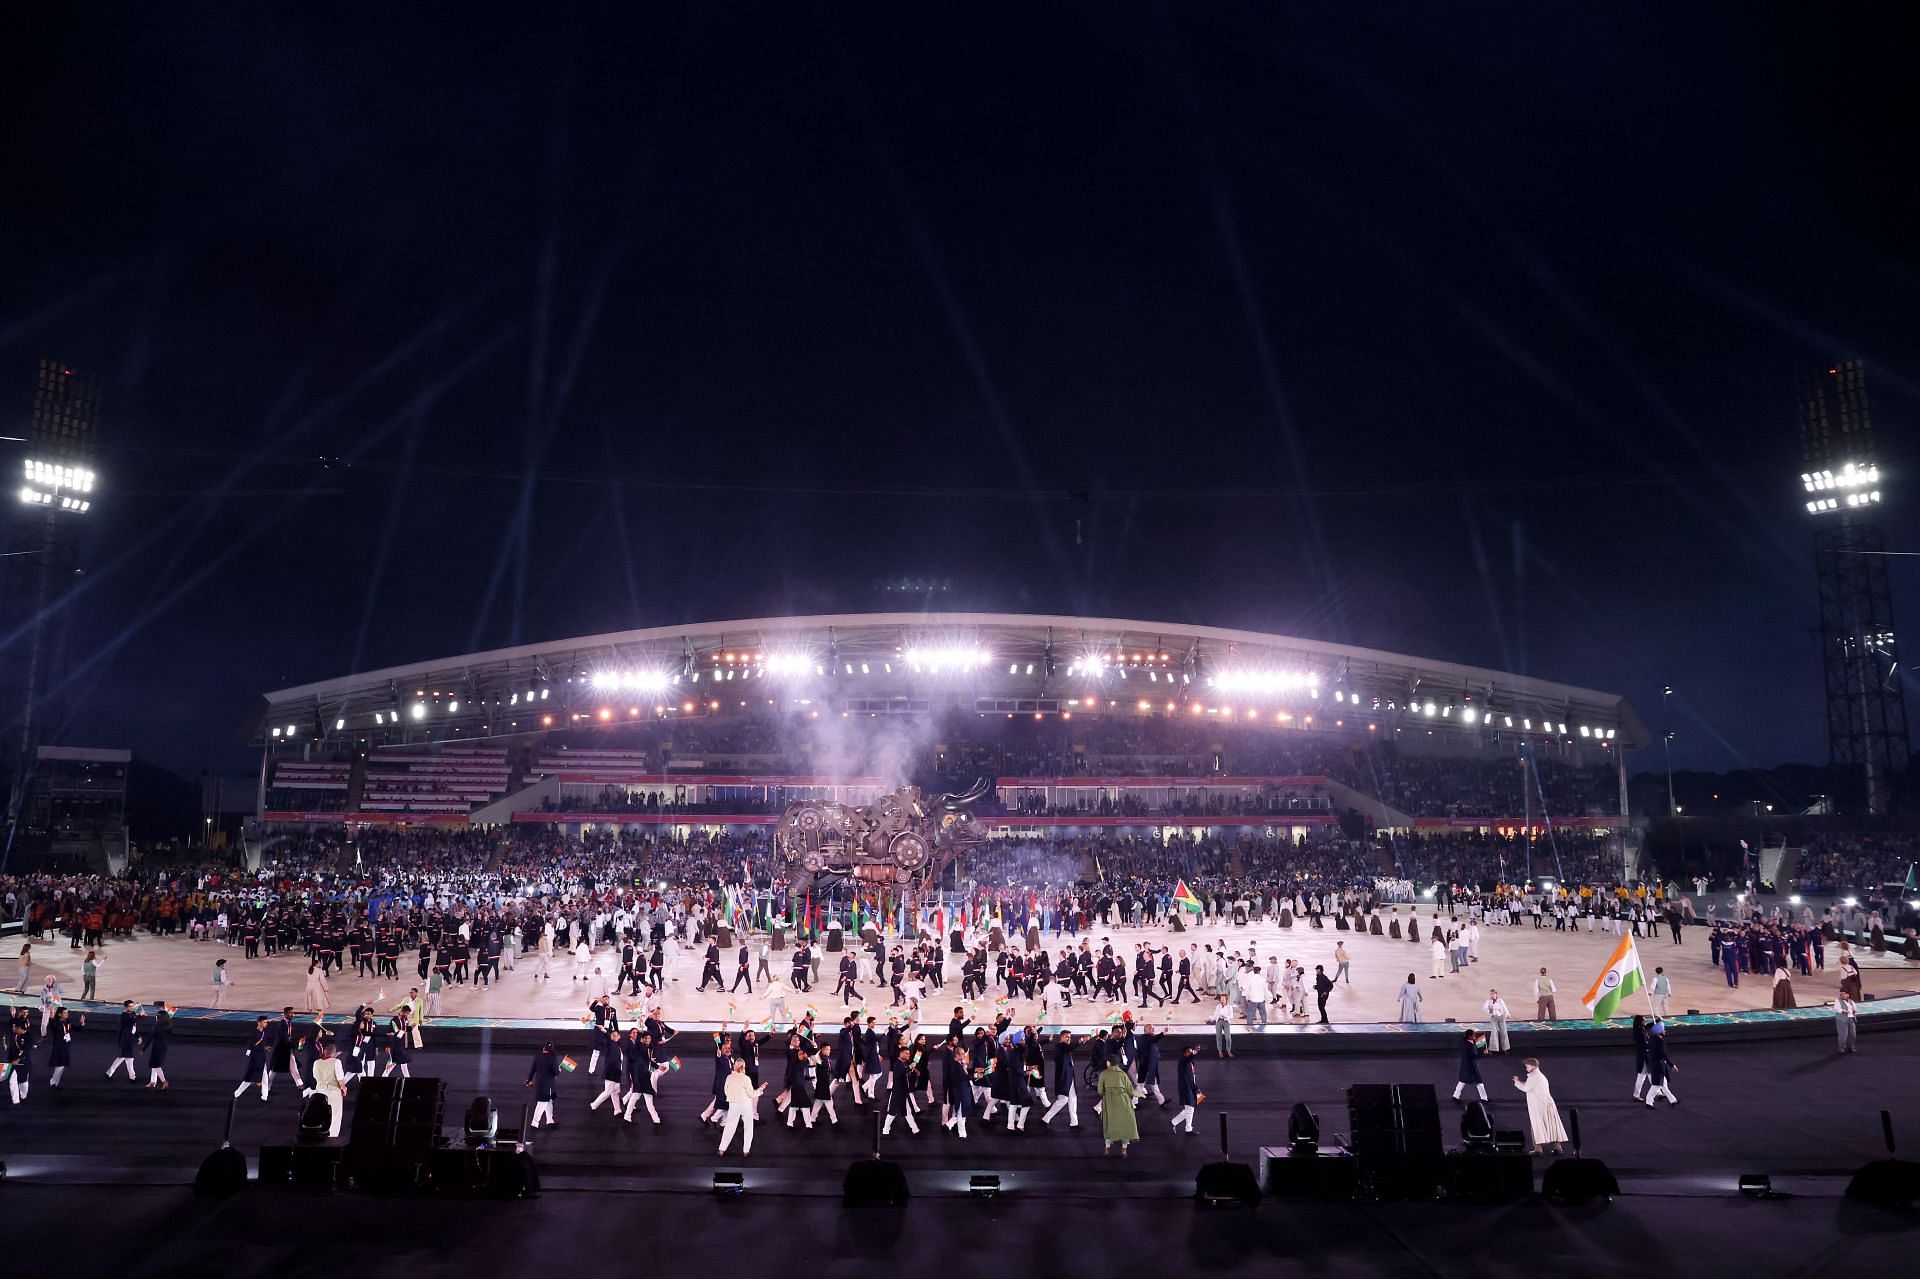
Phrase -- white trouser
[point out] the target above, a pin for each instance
(740, 1117)
(1481, 1089)
(1661, 1090)
(336, 1109)
(637, 1096)
(1185, 1116)
(1071, 1100)
(887, 1127)
(116, 1065)
(610, 1091)
(542, 1109)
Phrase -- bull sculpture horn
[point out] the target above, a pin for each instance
(976, 793)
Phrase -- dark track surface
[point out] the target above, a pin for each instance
(1783, 1106)
(113, 1161)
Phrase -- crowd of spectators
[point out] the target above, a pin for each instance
(1857, 863)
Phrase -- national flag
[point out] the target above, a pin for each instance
(1183, 897)
(1621, 977)
(569, 1065)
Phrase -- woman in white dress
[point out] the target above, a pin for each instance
(1410, 1000)
(318, 996)
(1542, 1115)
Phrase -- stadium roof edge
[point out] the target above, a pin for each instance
(1067, 631)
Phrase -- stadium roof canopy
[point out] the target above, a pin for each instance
(905, 662)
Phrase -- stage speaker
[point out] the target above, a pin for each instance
(1328, 1175)
(1886, 1183)
(514, 1175)
(1576, 1181)
(276, 1166)
(1225, 1184)
(224, 1172)
(874, 1181)
(1395, 1135)
(1488, 1178)
(376, 1101)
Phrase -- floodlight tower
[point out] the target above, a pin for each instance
(57, 487)
(1866, 710)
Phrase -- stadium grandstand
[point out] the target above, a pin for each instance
(1085, 725)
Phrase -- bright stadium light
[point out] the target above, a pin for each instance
(55, 485)
(339, 724)
(787, 665)
(1264, 683)
(634, 681)
(1854, 485)
(946, 657)
(419, 710)
(1469, 714)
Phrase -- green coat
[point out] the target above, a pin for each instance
(1116, 1106)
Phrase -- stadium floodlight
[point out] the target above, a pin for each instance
(1468, 714)
(419, 710)
(633, 681)
(1264, 683)
(938, 658)
(788, 665)
(339, 724)
(57, 486)
(1856, 484)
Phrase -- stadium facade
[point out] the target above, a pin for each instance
(1084, 722)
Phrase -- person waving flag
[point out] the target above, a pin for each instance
(1621, 978)
(1184, 898)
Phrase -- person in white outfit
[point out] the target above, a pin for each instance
(741, 1099)
(1439, 950)
(328, 1082)
(1660, 992)
(1497, 1014)
(317, 995)
(1543, 1116)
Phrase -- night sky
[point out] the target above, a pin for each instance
(1465, 331)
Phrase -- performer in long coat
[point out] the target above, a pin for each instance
(1116, 1110)
(1543, 1116)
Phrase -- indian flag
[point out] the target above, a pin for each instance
(1183, 897)
(1621, 978)
(569, 1065)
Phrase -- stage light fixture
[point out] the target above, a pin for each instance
(983, 1185)
(1756, 1185)
(729, 1183)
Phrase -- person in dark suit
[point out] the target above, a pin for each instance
(1470, 1045)
(254, 1072)
(127, 1043)
(544, 1077)
(711, 972)
(742, 972)
(158, 1038)
(1188, 1084)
